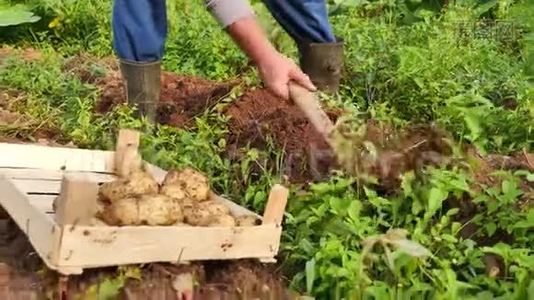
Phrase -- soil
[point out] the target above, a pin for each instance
(259, 117)
(182, 97)
(27, 54)
(411, 149)
(88, 70)
(18, 128)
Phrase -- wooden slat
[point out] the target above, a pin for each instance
(235, 209)
(77, 202)
(55, 158)
(37, 186)
(89, 246)
(57, 175)
(126, 152)
(276, 205)
(42, 202)
(40, 228)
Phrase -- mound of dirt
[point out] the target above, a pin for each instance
(259, 117)
(182, 97)
(378, 153)
(90, 70)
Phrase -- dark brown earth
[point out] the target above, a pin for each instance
(256, 117)
(182, 97)
(259, 117)
(221, 280)
(405, 150)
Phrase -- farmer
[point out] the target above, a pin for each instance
(140, 29)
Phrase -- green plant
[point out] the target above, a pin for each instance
(16, 14)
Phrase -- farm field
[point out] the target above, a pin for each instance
(436, 98)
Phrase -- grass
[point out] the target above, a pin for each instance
(436, 69)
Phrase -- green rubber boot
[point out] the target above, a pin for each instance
(323, 62)
(142, 86)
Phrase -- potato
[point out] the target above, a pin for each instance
(123, 211)
(195, 216)
(204, 213)
(214, 207)
(151, 209)
(246, 220)
(223, 221)
(195, 184)
(137, 183)
(173, 191)
(159, 210)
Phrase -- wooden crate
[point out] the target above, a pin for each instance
(33, 176)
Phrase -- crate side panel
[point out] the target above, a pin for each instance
(50, 175)
(37, 186)
(39, 227)
(235, 209)
(43, 203)
(104, 246)
(55, 158)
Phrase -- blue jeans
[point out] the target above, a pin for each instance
(140, 26)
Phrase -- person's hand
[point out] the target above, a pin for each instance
(277, 71)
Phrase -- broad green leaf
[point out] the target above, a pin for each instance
(109, 289)
(528, 223)
(453, 211)
(491, 227)
(417, 207)
(473, 124)
(406, 183)
(485, 7)
(455, 227)
(510, 190)
(15, 15)
(531, 290)
(436, 198)
(485, 295)
(339, 205)
(306, 246)
(354, 210)
(449, 238)
(310, 274)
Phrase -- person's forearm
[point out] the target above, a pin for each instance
(247, 33)
(276, 70)
(237, 18)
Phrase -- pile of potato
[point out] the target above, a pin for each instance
(183, 198)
